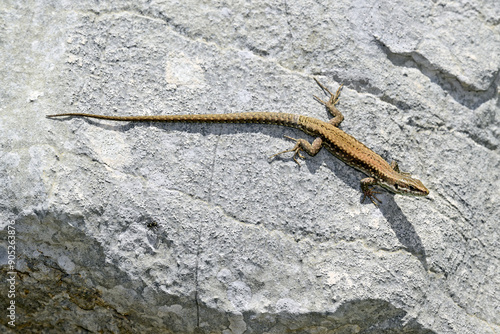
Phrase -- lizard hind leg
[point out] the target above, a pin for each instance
(302, 145)
(330, 105)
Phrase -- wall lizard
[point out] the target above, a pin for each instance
(327, 134)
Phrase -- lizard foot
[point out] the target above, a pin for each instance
(334, 98)
(297, 148)
(370, 193)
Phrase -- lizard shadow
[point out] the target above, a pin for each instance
(404, 230)
(401, 226)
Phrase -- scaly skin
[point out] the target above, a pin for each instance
(327, 134)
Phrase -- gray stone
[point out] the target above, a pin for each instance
(190, 228)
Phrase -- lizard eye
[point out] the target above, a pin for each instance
(396, 186)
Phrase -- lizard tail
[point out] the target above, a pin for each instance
(247, 117)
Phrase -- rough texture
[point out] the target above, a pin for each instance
(189, 228)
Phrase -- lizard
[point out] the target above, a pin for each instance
(327, 134)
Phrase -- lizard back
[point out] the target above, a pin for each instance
(345, 147)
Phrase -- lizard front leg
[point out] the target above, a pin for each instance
(302, 145)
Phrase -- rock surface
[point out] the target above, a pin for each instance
(177, 228)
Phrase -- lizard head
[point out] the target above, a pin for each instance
(404, 184)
